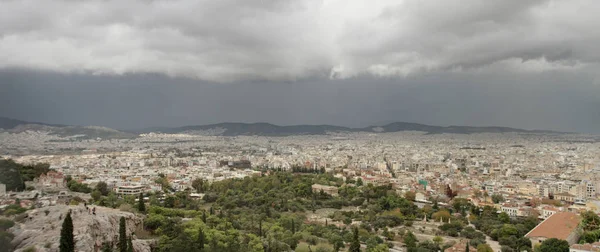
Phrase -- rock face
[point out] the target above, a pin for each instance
(91, 231)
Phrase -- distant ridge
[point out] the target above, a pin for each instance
(267, 129)
(76, 132)
(255, 129)
(9, 123)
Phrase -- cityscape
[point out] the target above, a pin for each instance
(299, 126)
(540, 176)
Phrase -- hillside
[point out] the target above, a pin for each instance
(249, 129)
(9, 123)
(80, 132)
(266, 129)
(259, 129)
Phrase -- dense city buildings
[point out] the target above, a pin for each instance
(549, 177)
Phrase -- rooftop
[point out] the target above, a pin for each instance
(559, 225)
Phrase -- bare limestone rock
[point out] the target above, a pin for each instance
(91, 231)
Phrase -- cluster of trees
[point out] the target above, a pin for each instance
(509, 232)
(553, 245)
(14, 175)
(75, 186)
(590, 222)
(267, 213)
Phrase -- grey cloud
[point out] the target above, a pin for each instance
(229, 41)
(548, 100)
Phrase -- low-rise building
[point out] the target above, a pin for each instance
(562, 225)
(130, 189)
(331, 190)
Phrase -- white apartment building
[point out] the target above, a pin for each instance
(130, 189)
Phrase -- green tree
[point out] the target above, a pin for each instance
(590, 221)
(554, 245)
(410, 240)
(467, 247)
(122, 235)
(497, 198)
(96, 195)
(200, 240)
(129, 245)
(255, 244)
(355, 244)
(484, 248)
(438, 240)
(141, 204)
(359, 182)
(10, 176)
(102, 187)
(379, 248)
(337, 242)
(67, 241)
(5, 239)
(504, 218)
(199, 185)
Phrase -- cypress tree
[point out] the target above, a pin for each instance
(129, 245)
(204, 216)
(201, 240)
(355, 244)
(467, 248)
(122, 235)
(141, 205)
(293, 227)
(67, 242)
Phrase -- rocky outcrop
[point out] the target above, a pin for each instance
(42, 231)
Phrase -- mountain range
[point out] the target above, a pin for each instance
(258, 129)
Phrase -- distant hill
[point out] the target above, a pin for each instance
(259, 129)
(403, 126)
(250, 129)
(9, 123)
(81, 132)
(266, 129)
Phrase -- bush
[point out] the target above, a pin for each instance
(30, 249)
(13, 209)
(6, 224)
(126, 208)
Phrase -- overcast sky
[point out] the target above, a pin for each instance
(132, 64)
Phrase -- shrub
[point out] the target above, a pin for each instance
(6, 224)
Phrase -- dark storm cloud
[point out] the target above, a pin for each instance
(138, 63)
(289, 40)
(557, 101)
